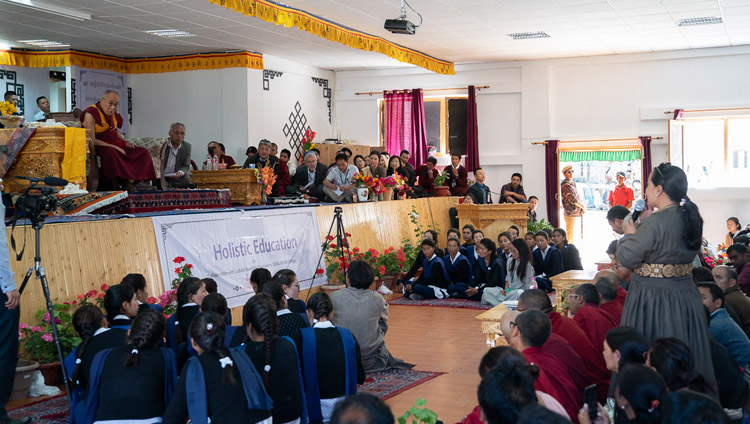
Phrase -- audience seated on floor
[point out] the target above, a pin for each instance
(433, 282)
(584, 307)
(726, 279)
(289, 323)
(571, 259)
(608, 298)
(457, 265)
(362, 408)
(722, 327)
(738, 255)
(518, 276)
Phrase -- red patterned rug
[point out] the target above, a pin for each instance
(384, 384)
(446, 303)
(52, 410)
(167, 200)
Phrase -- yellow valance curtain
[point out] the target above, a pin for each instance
(139, 65)
(290, 17)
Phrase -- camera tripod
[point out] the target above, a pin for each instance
(38, 269)
(341, 241)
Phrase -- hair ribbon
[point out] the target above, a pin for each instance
(226, 361)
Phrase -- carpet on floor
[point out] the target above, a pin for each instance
(51, 410)
(384, 384)
(447, 303)
(387, 384)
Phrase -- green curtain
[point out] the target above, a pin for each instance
(625, 156)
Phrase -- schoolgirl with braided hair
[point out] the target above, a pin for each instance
(121, 305)
(91, 327)
(222, 384)
(275, 358)
(331, 360)
(139, 373)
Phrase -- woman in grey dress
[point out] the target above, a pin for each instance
(363, 311)
(662, 299)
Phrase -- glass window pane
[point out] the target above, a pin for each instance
(704, 153)
(738, 145)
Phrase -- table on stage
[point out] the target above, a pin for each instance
(490, 321)
(242, 183)
(493, 219)
(563, 282)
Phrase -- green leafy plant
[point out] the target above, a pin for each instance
(37, 340)
(442, 178)
(419, 414)
(337, 260)
(411, 248)
(538, 226)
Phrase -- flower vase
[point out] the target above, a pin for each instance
(362, 194)
(388, 195)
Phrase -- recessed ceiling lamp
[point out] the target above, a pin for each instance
(705, 20)
(528, 35)
(50, 8)
(169, 33)
(44, 43)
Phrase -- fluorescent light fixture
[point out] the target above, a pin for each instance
(50, 8)
(528, 35)
(44, 43)
(704, 20)
(169, 33)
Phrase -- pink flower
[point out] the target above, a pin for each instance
(104, 287)
(23, 325)
(47, 337)
(20, 335)
(36, 329)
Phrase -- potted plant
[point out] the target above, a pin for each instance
(440, 189)
(22, 381)
(533, 227)
(394, 182)
(337, 262)
(363, 183)
(168, 299)
(8, 117)
(419, 414)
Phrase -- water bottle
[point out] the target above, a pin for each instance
(207, 163)
(215, 163)
(533, 283)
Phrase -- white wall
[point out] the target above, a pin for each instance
(595, 97)
(229, 105)
(35, 82)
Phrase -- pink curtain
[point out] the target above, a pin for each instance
(552, 182)
(418, 146)
(398, 121)
(472, 132)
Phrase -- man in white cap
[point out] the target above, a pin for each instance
(571, 202)
(622, 195)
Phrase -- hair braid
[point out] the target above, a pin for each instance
(145, 333)
(86, 321)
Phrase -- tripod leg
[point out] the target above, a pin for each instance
(326, 243)
(43, 278)
(26, 280)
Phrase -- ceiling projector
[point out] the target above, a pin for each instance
(401, 25)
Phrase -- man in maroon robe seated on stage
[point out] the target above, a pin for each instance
(122, 161)
(427, 174)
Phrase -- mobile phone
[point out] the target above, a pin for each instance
(589, 396)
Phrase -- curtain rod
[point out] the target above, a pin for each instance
(588, 141)
(670, 112)
(370, 93)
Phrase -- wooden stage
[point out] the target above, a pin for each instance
(80, 256)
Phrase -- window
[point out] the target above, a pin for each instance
(445, 122)
(713, 152)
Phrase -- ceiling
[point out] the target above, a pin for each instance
(460, 31)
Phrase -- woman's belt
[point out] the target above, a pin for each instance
(664, 270)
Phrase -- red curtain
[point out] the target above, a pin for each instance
(646, 167)
(418, 129)
(398, 125)
(472, 132)
(552, 178)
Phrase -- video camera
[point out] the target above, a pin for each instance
(37, 200)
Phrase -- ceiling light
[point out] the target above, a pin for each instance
(169, 33)
(705, 20)
(528, 35)
(44, 43)
(50, 8)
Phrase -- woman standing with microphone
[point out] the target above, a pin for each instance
(662, 299)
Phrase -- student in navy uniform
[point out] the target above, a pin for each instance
(458, 268)
(289, 282)
(213, 288)
(331, 360)
(466, 235)
(275, 358)
(190, 294)
(289, 322)
(138, 283)
(432, 235)
(221, 386)
(217, 303)
(547, 259)
(488, 271)
(134, 382)
(471, 251)
(433, 282)
(121, 306)
(571, 259)
(258, 278)
(91, 327)
(503, 246)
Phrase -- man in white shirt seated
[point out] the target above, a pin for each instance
(176, 163)
(43, 104)
(339, 184)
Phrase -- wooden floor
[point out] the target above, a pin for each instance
(436, 339)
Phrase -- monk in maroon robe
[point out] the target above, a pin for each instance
(120, 160)
(458, 177)
(566, 328)
(427, 174)
(607, 286)
(529, 333)
(584, 305)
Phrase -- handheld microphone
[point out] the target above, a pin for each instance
(638, 207)
(50, 181)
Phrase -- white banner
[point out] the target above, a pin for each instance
(228, 246)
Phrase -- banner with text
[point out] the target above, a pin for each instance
(228, 246)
